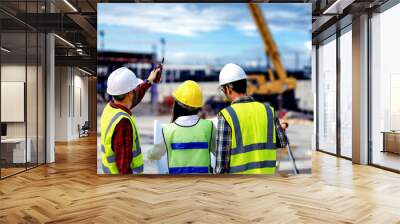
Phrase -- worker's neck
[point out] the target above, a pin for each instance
(123, 103)
(236, 96)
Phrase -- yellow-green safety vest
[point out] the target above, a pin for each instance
(109, 120)
(188, 148)
(253, 143)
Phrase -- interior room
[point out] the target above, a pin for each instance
(46, 89)
(336, 87)
(385, 89)
(22, 99)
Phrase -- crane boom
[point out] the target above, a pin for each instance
(269, 43)
(279, 92)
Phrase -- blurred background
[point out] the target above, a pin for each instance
(196, 40)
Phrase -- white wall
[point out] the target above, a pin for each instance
(71, 94)
(61, 103)
(12, 73)
(80, 94)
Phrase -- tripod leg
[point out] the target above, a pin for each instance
(295, 170)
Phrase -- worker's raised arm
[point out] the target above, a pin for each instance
(155, 74)
(141, 89)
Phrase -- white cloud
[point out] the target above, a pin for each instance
(189, 20)
(247, 27)
(308, 45)
(280, 14)
(168, 19)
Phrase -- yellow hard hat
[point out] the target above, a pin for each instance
(189, 93)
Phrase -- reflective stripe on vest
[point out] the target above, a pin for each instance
(110, 118)
(137, 159)
(189, 145)
(188, 170)
(188, 148)
(254, 157)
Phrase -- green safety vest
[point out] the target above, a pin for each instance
(188, 148)
(109, 120)
(253, 148)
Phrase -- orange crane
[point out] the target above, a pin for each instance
(274, 88)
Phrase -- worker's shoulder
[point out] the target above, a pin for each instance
(124, 121)
(205, 121)
(265, 104)
(223, 110)
(123, 118)
(169, 126)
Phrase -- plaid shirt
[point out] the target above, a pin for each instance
(122, 137)
(224, 138)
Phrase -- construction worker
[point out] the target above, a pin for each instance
(120, 143)
(246, 136)
(188, 140)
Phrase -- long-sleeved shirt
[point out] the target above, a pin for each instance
(122, 140)
(160, 149)
(224, 138)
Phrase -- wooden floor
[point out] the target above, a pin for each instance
(10, 171)
(69, 191)
(387, 159)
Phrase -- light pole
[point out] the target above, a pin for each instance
(162, 40)
(102, 39)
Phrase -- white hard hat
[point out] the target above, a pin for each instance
(121, 81)
(231, 73)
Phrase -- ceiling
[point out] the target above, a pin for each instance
(74, 22)
(330, 15)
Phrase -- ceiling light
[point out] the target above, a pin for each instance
(84, 71)
(5, 50)
(65, 41)
(332, 7)
(337, 7)
(70, 5)
(79, 51)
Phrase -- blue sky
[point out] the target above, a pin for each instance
(213, 34)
